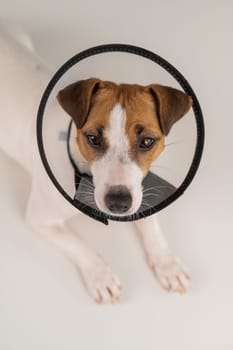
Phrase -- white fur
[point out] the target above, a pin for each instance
(116, 167)
(77, 156)
(170, 271)
(23, 80)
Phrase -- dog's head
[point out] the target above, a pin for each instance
(120, 132)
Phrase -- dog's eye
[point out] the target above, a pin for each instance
(94, 141)
(147, 143)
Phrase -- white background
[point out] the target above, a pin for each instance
(43, 304)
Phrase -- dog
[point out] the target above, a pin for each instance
(118, 131)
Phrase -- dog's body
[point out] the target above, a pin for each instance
(23, 81)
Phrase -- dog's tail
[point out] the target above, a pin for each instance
(19, 35)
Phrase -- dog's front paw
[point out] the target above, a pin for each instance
(171, 272)
(102, 284)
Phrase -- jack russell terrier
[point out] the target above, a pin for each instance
(119, 130)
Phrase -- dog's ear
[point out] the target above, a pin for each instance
(76, 98)
(171, 105)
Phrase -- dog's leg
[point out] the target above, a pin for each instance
(102, 284)
(169, 270)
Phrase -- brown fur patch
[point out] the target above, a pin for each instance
(141, 114)
(102, 104)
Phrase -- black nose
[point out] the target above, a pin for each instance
(118, 199)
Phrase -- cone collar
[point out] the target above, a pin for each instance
(49, 137)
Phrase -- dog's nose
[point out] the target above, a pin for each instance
(118, 199)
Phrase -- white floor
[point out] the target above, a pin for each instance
(43, 304)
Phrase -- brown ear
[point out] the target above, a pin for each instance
(75, 99)
(171, 105)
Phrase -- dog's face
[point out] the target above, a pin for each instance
(120, 132)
